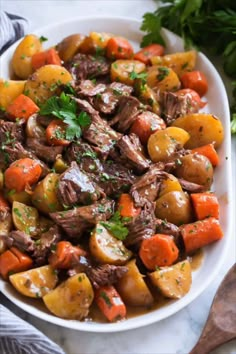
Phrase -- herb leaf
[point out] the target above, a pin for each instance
(116, 226)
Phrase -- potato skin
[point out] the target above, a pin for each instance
(9, 90)
(163, 79)
(170, 184)
(25, 218)
(69, 46)
(196, 168)
(121, 70)
(161, 146)
(21, 60)
(72, 298)
(6, 225)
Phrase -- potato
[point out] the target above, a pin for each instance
(179, 62)
(69, 46)
(173, 282)
(25, 218)
(9, 90)
(132, 287)
(45, 81)
(72, 298)
(21, 61)
(6, 224)
(95, 42)
(121, 70)
(196, 168)
(60, 165)
(106, 248)
(203, 128)
(33, 129)
(175, 207)
(147, 96)
(21, 197)
(170, 184)
(35, 282)
(45, 194)
(161, 146)
(179, 134)
(163, 79)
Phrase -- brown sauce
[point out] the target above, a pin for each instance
(197, 259)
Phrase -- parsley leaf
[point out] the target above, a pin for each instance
(43, 39)
(133, 75)
(152, 25)
(116, 226)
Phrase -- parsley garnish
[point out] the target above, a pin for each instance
(43, 39)
(133, 75)
(152, 25)
(162, 73)
(116, 226)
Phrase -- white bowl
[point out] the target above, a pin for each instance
(217, 104)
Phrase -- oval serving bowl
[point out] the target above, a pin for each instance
(217, 104)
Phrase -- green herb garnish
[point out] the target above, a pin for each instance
(116, 226)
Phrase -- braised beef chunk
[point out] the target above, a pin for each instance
(167, 228)
(142, 227)
(76, 221)
(105, 274)
(129, 108)
(84, 66)
(44, 120)
(191, 187)
(88, 88)
(11, 132)
(75, 187)
(21, 240)
(43, 151)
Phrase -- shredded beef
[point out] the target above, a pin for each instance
(21, 240)
(105, 274)
(88, 88)
(191, 187)
(42, 151)
(11, 132)
(167, 228)
(129, 108)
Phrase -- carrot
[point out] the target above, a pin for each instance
(126, 206)
(209, 151)
(196, 81)
(22, 173)
(148, 52)
(55, 133)
(194, 96)
(110, 303)
(158, 250)
(14, 260)
(147, 124)
(200, 233)
(119, 48)
(49, 56)
(64, 255)
(22, 107)
(205, 205)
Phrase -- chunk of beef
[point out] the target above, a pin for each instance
(44, 120)
(43, 151)
(191, 187)
(88, 88)
(167, 228)
(21, 240)
(129, 108)
(76, 221)
(75, 187)
(84, 66)
(142, 227)
(11, 132)
(105, 274)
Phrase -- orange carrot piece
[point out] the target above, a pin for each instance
(126, 206)
(119, 48)
(205, 205)
(145, 125)
(49, 56)
(196, 99)
(55, 133)
(201, 233)
(148, 52)
(15, 261)
(22, 173)
(158, 251)
(22, 107)
(64, 255)
(110, 303)
(196, 81)
(209, 151)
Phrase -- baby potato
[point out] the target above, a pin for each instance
(106, 248)
(163, 78)
(170, 184)
(35, 282)
(179, 134)
(203, 129)
(132, 287)
(25, 218)
(60, 165)
(175, 207)
(21, 197)
(33, 128)
(72, 298)
(6, 224)
(161, 146)
(21, 60)
(44, 196)
(125, 70)
(9, 90)
(174, 282)
(196, 168)
(45, 81)
(69, 46)
(94, 42)
(179, 62)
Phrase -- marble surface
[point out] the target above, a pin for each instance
(177, 334)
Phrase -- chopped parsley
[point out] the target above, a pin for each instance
(104, 296)
(162, 73)
(116, 226)
(43, 39)
(133, 75)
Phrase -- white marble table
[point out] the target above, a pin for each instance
(177, 334)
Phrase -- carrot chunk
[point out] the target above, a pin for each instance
(49, 56)
(119, 48)
(64, 255)
(148, 52)
(196, 81)
(110, 303)
(22, 107)
(209, 151)
(205, 205)
(126, 206)
(56, 132)
(14, 260)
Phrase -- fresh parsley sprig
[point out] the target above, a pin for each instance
(116, 226)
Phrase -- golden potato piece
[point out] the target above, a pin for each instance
(45, 81)
(179, 134)
(69, 46)
(96, 42)
(25, 218)
(124, 70)
(170, 184)
(6, 224)
(175, 281)
(132, 287)
(72, 298)
(9, 90)
(203, 129)
(35, 282)
(21, 197)
(163, 78)
(161, 146)
(21, 60)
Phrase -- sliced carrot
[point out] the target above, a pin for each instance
(22, 173)
(148, 52)
(110, 303)
(196, 81)
(119, 48)
(201, 233)
(205, 205)
(158, 251)
(209, 151)
(14, 261)
(64, 255)
(55, 133)
(194, 96)
(126, 206)
(22, 108)
(49, 56)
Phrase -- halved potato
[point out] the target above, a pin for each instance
(21, 197)
(170, 184)
(25, 218)
(9, 90)
(69, 46)
(72, 298)
(124, 70)
(179, 134)
(173, 282)
(163, 78)
(161, 146)
(95, 42)
(35, 282)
